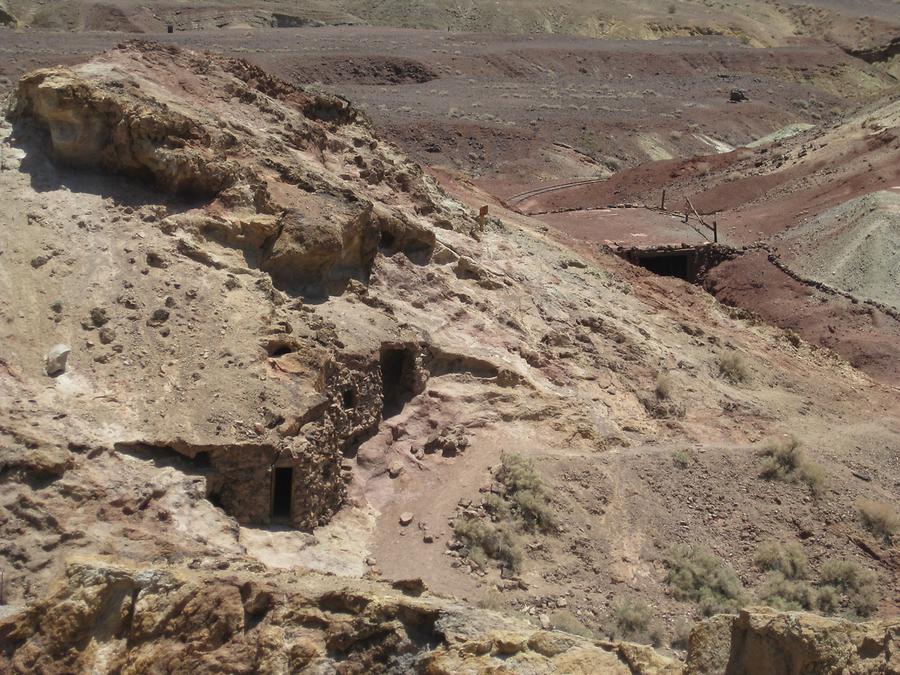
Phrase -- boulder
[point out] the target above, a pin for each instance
(56, 359)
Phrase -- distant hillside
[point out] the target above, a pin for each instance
(756, 22)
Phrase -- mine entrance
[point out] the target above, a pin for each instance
(282, 488)
(667, 265)
(690, 263)
(397, 372)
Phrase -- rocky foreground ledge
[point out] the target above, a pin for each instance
(105, 618)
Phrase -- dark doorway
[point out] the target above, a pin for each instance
(282, 488)
(675, 265)
(397, 378)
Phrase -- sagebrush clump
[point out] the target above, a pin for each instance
(786, 586)
(859, 585)
(486, 540)
(523, 507)
(880, 519)
(698, 575)
(633, 620)
(733, 367)
(788, 559)
(564, 620)
(526, 494)
(784, 460)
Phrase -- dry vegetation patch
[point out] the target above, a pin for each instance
(522, 507)
(634, 620)
(733, 367)
(783, 460)
(880, 519)
(696, 574)
(842, 583)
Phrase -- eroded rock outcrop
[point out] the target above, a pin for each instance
(763, 641)
(288, 189)
(106, 618)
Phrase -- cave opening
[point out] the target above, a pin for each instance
(388, 241)
(667, 265)
(282, 491)
(397, 379)
(348, 399)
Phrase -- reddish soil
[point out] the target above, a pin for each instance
(863, 335)
(498, 107)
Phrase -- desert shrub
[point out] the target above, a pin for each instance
(733, 367)
(696, 574)
(856, 582)
(787, 559)
(633, 620)
(612, 163)
(682, 459)
(496, 506)
(535, 511)
(827, 599)
(525, 491)
(486, 540)
(672, 8)
(664, 386)
(880, 519)
(564, 620)
(784, 460)
(782, 593)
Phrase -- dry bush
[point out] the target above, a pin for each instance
(698, 575)
(880, 519)
(786, 594)
(856, 582)
(788, 559)
(525, 491)
(682, 459)
(784, 460)
(785, 587)
(486, 540)
(496, 506)
(524, 506)
(733, 367)
(664, 386)
(633, 620)
(564, 620)
(662, 405)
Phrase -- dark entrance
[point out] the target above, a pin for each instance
(282, 488)
(671, 265)
(397, 376)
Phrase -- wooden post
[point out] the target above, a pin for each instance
(482, 215)
(715, 232)
(662, 203)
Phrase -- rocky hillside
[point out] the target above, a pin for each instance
(247, 344)
(865, 29)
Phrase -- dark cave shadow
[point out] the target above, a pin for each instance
(47, 174)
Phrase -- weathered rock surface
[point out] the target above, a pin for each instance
(763, 641)
(280, 188)
(107, 618)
